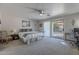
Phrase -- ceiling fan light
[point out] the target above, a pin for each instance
(41, 14)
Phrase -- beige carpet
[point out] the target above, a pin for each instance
(46, 46)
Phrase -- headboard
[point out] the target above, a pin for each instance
(25, 30)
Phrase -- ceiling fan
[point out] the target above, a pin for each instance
(40, 11)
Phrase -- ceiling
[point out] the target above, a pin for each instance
(54, 9)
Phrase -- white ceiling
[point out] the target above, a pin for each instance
(54, 9)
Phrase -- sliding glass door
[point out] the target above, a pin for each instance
(47, 28)
(53, 28)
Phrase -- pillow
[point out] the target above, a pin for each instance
(24, 35)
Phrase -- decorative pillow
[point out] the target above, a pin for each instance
(24, 35)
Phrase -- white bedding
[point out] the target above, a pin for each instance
(30, 36)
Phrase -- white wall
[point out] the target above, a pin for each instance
(9, 22)
(77, 23)
(68, 27)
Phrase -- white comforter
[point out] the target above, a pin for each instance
(29, 36)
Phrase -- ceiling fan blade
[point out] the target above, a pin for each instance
(33, 9)
(39, 11)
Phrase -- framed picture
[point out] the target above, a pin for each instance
(25, 23)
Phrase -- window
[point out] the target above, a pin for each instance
(58, 26)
